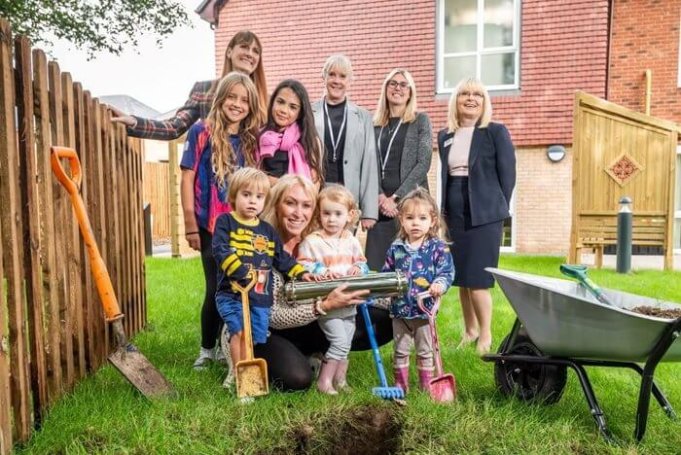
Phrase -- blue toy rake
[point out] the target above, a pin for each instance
(384, 390)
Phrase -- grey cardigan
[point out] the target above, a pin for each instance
(360, 168)
(416, 155)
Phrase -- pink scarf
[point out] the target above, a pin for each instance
(271, 141)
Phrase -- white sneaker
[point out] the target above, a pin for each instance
(206, 356)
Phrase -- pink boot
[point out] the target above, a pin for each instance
(326, 374)
(424, 379)
(340, 382)
(402, 378)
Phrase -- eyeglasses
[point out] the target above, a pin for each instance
(395, 84)
(467, 94)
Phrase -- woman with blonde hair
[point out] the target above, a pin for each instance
(243, 54)
(295, 334)
(404, 150)
(348, 135)
(477, 176)
(215, 148)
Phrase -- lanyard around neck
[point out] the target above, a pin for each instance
(390, 146)
(335, 141)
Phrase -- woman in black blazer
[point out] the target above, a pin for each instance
(478, 176)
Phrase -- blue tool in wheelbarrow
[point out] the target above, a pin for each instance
(383, 390)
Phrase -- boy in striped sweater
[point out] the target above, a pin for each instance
(247, 248)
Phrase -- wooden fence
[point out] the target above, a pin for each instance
(156, 185)
(52, 330)
(618, 152)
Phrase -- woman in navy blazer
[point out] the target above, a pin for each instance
(477, 177)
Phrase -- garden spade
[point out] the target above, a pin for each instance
(126, 358)
(251, 374)
(443, 385)
(578, 272)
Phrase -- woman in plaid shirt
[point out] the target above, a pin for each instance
(243, 54)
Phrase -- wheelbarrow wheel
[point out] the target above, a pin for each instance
(529, 381)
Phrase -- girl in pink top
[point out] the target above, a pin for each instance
(334, 252)
(289, 143)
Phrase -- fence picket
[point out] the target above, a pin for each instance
(30, 211)
(89, 305)
(72, 240)
(62, 213)
(46, 214)
(138, 250)
(12, 238)
(5, 396)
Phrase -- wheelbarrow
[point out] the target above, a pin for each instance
(561, 324)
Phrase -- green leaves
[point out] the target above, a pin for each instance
(94, 25)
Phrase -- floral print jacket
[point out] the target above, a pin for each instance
(430, 263)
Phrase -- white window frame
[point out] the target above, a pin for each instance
(511, 210)
(677, 213)
(440, 46)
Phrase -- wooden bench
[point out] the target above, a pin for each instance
(597, 231)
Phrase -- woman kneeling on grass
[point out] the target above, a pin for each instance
(295, 334)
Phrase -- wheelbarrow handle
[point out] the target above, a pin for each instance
(71, 183)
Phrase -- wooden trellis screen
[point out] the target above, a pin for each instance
(52, 330)
(619, 152)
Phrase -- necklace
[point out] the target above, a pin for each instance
(390, 145)
(335, 141)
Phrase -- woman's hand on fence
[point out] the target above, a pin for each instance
(121, 117)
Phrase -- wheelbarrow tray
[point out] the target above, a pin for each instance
(564, 320)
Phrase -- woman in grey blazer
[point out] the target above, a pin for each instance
(404, 151)
(348, 135)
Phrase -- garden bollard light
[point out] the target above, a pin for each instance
(624, 235)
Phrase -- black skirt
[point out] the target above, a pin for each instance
(379, 239)
(473, 247)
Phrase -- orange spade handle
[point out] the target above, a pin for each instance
(245, 309)
(99, 271)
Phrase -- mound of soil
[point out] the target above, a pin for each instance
(667, 313)
(363, 430)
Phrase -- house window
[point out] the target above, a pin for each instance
(478, 38)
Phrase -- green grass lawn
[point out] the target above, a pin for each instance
(104, 414)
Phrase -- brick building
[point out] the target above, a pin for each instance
(532, 54)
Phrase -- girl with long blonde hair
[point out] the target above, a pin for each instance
(214, 150)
